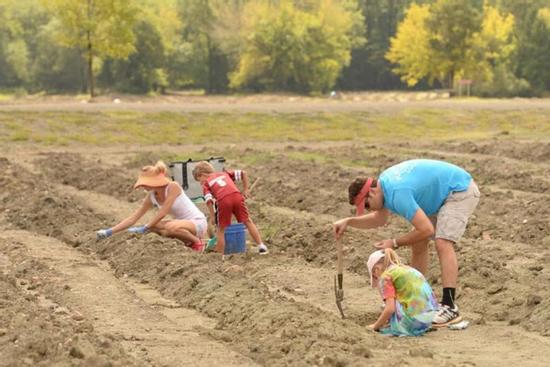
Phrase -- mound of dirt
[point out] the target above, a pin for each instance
(74, 170)
(37, 331)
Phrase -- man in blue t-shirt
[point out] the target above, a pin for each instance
(437, 198)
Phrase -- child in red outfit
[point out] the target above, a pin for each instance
(221, 187)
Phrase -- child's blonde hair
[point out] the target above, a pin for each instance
(390, 258)
(202, 167)
(385, 258)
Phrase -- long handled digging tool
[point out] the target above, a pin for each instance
(339, 278)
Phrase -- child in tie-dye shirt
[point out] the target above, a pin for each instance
(410, 304)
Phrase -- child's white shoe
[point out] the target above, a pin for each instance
(262, 249)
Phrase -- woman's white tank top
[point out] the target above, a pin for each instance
(183, 207)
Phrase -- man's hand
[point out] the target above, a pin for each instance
(384, 244)
(246, 194)
(138, 229)
(104, 233)
(339, 227)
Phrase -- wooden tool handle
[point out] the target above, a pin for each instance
(340, 257)
(253, 184)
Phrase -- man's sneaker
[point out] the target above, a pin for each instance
(446, 316)
(198, 246)
(262, 249)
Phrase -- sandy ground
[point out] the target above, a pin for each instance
(66, 299)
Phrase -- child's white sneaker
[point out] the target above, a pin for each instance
(262, 249)
(446, 316)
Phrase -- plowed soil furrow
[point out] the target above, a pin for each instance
(37, 330)
(279, 309)
(135, 317)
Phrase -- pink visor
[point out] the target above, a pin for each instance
(361, 197)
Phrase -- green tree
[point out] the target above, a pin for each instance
(20, 21)
(452, 25)
(530, 61)
(210, 35)
(57, 68)
(142, 71)
(100, 28)
(492, 61)
(288, 48)
(536, 67)
(369, 69)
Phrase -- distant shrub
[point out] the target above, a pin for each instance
(504, 84)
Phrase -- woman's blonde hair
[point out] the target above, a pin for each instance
(153, 176)
(159, 168)
(202, 167)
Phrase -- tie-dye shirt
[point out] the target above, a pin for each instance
(415, 302)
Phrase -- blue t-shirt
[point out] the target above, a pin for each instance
(421, 183)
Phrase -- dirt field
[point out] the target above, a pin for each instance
(66, 299)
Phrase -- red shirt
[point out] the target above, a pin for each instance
(220, 184)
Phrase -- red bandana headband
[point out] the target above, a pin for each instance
(360, 198)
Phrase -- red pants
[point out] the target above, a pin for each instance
(232, 204)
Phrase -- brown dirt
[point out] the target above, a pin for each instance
(134, 300)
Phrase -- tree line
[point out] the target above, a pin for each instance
(304, 46)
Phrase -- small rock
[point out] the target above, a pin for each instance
(77, 316)
(61, 310)
(75, 352)
(495, 288)
(104, 342)
(533, 299)
(3, 331)
(362, 351)
(536, 268)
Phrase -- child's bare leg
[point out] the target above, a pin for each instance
(253, 230)
(220, 243)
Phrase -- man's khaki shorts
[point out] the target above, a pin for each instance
(451, 220)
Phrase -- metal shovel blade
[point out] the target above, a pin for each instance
(339, 293)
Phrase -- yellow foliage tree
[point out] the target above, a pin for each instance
(410, 49)
(414, 56)
(494, 45)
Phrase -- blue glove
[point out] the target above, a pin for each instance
(104, 233)
(138, 229)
